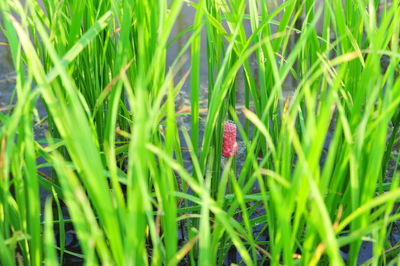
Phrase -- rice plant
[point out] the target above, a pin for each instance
(258, 133)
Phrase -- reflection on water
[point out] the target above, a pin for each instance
(185, 19)
(5, 71)
(3, 53)
(5, 57)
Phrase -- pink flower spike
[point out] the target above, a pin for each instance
(229, 144)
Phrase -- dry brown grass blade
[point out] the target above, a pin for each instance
(188, 110)
(45, 176)
(6, 108)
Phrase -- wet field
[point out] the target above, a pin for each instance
(6, 72)
(7, 83)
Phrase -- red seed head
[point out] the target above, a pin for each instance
(229, 145)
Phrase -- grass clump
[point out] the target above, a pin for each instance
(309, 184)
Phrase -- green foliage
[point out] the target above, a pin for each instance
(318, 157)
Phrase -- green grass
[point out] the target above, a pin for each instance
(116, 152)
